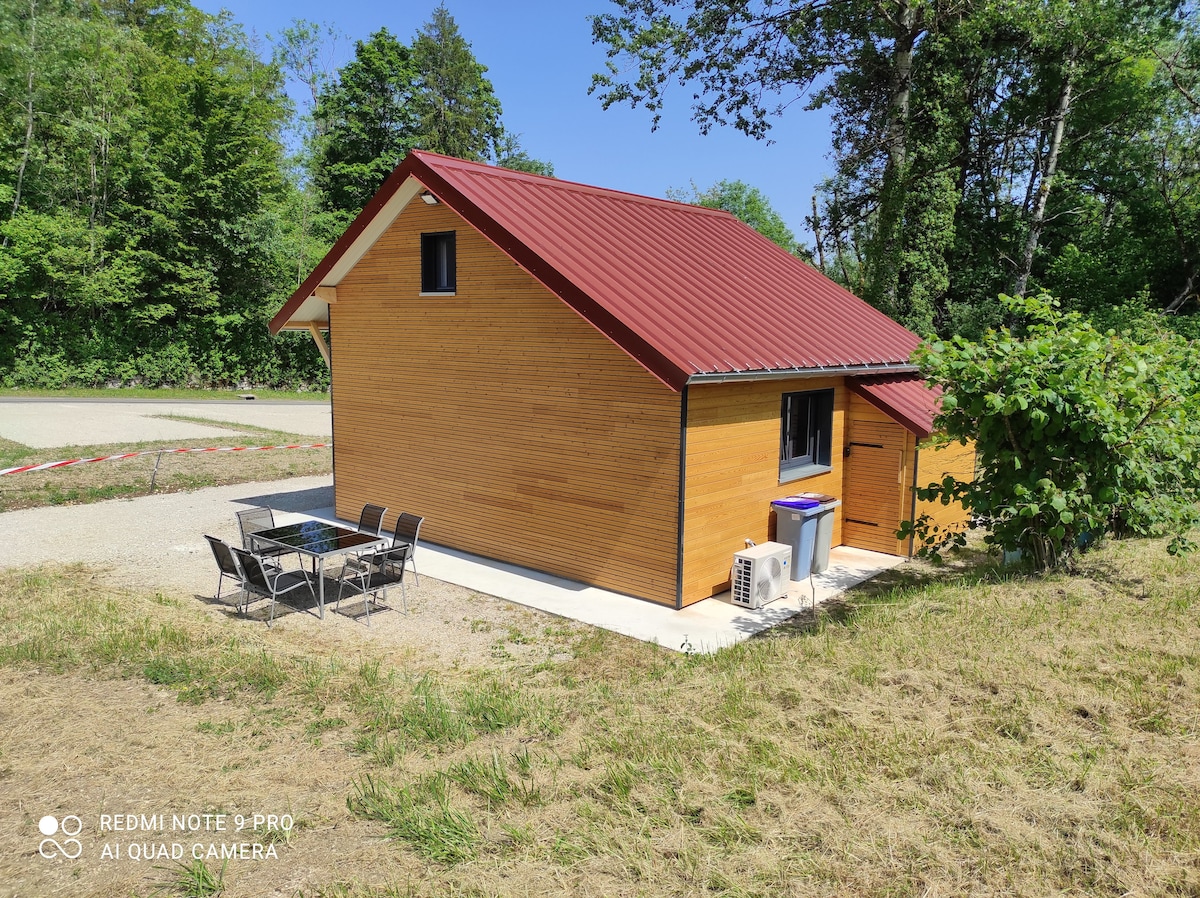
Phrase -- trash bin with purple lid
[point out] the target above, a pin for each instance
(824, 533)
(796, 526)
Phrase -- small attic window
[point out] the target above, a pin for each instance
(437, 263)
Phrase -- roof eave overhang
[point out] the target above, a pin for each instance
(720, 377)
(304, 308)
(917, 428)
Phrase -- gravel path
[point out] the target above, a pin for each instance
(156, 543)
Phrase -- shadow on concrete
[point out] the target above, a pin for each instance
(300, 500)
(766, 617)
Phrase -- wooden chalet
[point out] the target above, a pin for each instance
(605, 387)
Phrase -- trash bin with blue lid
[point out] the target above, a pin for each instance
(796, 526)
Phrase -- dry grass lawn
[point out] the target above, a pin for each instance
(952, 732)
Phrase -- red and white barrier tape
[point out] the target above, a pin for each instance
(46, 466)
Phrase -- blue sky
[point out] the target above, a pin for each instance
(540, 59)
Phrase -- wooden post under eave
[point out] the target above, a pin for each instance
(315, 330)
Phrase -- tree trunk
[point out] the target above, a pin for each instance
(816, 228)
(883, 282)
(20, 180)
(1183, 295)
(1037, 216)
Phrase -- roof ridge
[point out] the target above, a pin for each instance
(549, 181)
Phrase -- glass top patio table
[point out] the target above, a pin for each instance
(318, 540)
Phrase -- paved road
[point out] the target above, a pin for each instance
(50, 423)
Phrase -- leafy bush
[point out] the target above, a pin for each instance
(1079, 433)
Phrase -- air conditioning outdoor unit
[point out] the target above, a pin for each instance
(760, 574)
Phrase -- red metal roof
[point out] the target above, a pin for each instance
(903, 397)
(686, 291)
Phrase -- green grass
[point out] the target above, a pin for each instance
(420, 815)
(193, 880)
(954, 731)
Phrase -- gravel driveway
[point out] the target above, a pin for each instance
(150, 542)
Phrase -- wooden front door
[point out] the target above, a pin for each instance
(873, 489)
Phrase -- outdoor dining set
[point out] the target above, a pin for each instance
(372, 561)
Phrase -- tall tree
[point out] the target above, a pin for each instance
(969, 136)
(366, 122)
(392, 98)
(754, 59)
(145, 243)
(455, 107)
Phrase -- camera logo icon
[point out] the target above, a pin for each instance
(70, 847)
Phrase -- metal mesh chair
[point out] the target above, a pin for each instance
(373, 573)
(260, 580)
(371, 519)
(226, 563)
(408, 530)
(256, 520)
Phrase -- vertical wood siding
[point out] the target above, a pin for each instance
(732, 473)
(515, 428)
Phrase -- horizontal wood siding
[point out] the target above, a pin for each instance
(932, 466)
(878, 480)
(892, 503)
(732, 473)
(516, 429)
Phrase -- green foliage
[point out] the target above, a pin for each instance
(392, 98)
(455, 106)
(366, 122)
(1079, 432)
(511, 155)
(143, 185)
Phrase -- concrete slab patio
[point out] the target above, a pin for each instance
(703, 627)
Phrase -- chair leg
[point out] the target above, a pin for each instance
(220, 584)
